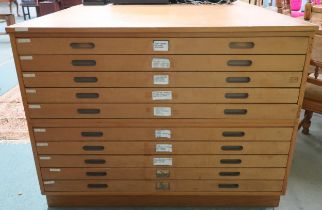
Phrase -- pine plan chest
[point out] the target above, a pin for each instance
(168, 105)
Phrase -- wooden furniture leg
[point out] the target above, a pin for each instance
(307, 122)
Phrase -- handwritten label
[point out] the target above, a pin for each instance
(160, 45)
(160, 79)
(162, 134)
(162, 111)
(163, 147)
(55, 170)
(160, 63)
(162, 161)
(161, 95)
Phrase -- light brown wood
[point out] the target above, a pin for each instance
(163, 147)
(177, 62)
(149, 95)
(148, 134)
(174, 111)
(174, 186)
(119, 161)
(176, 79)
(173, 173)
(267, 45)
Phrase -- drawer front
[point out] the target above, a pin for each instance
(162, 95)
(197, 161)
(162, 79)
(162, 62)
(147, 111)
(163, 186)
(252, 45)
(142, 148)
(162, 133)
(163, 173)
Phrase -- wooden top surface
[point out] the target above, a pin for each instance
(237, 17)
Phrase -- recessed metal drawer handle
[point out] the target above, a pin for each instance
(88, 45)
(233, 133)
(96, 186)
(92, 134)
(239, 63)
(229, 173)
(95, 161)
(87, 95)
(230, 161)
(235, 111)
(93, 148)
(230, 186)
(88, 111)
(238, 79)
(96, 173)
(232, 148)
(85, 79)
(236, 95)
(83, 62)
(241, 45)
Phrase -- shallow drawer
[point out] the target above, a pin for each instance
(252, 45)
(162, 95)
(162, 62)
(162, 79)
(163, 173)
(148, 111)
(119, 161)
(163, 186)
(164, 147)
(162, 133)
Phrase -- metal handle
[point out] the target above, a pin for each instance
(96, 186)
(87, 95)
(241, 45)
(88, 111)
(230, 161)
(239, 63)
(238, 79)
(96, 173)
(93, 148)
(85, 79)
(92, 134)
(235, 111)
(236, 95)
(229, 173)
(228, 186)
(95, 161)
(88, 45)
(83, 62)
(232, 148)
(233, 133)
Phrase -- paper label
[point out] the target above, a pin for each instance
(162, 161)
(26, 75)
(39, 130)
(163, 147)
(162, 134)
(161, 95)
(49, 182)
(160, 63)
(160, 45)
(55, 170)
(20, 41)
(21, 29)
(34, 106)
(162, 111)
(160, 79)
(42, 144)
(26, 57)
(44, 158)
(30, 91)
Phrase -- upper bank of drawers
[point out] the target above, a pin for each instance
(253, 45)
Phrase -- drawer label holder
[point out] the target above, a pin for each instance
(162, 134)
(162, 161)
(161, 95)
(160, 79)
(161, 45)
(55, 170)
(163, 148)
(162, 111)
(160, 63)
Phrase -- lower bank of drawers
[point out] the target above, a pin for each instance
(162, 173)
(171, 186)
(197, 161)
(146, 148)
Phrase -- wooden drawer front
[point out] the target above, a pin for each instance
(173, 134)
(168, 63)
(120, 161)
(162, 95)
(163, 173)
(142, 148)
(184, 111)
(162, 79)
(163, 186)
(263, 45)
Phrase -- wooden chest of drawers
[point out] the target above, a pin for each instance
(159, 111)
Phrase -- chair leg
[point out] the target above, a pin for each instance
(307, 122)
(17, 5)
(10, 7)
